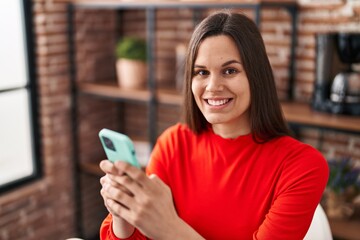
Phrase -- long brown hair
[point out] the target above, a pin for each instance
(266, 118)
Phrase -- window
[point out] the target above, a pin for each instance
(19, 146)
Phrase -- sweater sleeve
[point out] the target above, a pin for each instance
(299, 192)
(106, 232)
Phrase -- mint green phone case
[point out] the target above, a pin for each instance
(118, 147)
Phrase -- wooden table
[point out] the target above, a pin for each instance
(345, 229)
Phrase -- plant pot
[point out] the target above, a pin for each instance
(131, 74)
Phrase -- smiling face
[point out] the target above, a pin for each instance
(220, 86)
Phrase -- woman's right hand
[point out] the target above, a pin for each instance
(145, 203)
(110, 188)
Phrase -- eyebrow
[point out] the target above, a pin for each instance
(223, 65)
(230, 62)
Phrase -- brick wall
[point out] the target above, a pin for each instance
(321, 17)
(175, 26)
(45, 209)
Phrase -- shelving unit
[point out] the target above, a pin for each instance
(152, 96)
(302, 115)
(297, 114)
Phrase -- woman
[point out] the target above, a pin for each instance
(231, 171)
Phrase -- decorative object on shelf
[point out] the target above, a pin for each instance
(131, 67)
(337, 84)
(343, 189)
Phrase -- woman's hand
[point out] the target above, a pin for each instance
(121, 228)
(142, 201)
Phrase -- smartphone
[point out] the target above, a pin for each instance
(118, 147)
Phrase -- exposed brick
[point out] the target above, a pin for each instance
(45, 209)
(9, 219)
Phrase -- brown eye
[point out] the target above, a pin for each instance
(201, 73)
(230, 71)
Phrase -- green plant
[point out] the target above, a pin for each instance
(131, 48)
(343, 175)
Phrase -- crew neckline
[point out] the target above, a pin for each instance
(248, 136)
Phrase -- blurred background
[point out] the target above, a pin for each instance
(60, 85)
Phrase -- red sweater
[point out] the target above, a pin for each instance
(236, 188)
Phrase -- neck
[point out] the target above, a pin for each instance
(231, 130)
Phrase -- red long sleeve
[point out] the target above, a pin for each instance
(107, 233)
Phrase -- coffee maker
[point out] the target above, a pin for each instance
(337, 84)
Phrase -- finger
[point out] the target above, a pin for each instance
(134, 180)
(114, 178)
(113, 181)
(108, 167)
(103, 195)
(118, 195)
(125, 183)
(109, 179)
(134, 173)
(116, 208)
(106, 200)
(103, 180)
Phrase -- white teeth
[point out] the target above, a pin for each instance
(217, 102)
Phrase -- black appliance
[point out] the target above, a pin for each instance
(337, 84)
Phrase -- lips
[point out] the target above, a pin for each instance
(218, 102)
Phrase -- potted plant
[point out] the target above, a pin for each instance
(131, 65)
(343, 188)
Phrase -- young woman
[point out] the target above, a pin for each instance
(231, 171)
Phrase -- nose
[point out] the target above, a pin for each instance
(214, 83)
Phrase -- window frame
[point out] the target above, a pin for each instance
(31, 88)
